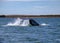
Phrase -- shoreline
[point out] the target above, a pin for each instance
(29, 16)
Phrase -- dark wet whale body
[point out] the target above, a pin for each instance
(33, 22)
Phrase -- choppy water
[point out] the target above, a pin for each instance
(31, 34)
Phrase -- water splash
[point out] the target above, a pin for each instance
(44, 24)
(19, 22)
(25, 23)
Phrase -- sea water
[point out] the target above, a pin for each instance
(47, 32)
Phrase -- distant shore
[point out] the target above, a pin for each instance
(28, 16)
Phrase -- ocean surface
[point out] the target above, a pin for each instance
(47, 32)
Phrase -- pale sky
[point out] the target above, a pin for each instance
(33, 7)
(30, 0)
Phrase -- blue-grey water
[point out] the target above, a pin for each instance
(30, 34)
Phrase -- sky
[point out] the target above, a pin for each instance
(30, 7)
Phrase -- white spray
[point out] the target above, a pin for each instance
(18, 22)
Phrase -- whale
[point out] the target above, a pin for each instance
(33, 22)
(23, 22)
